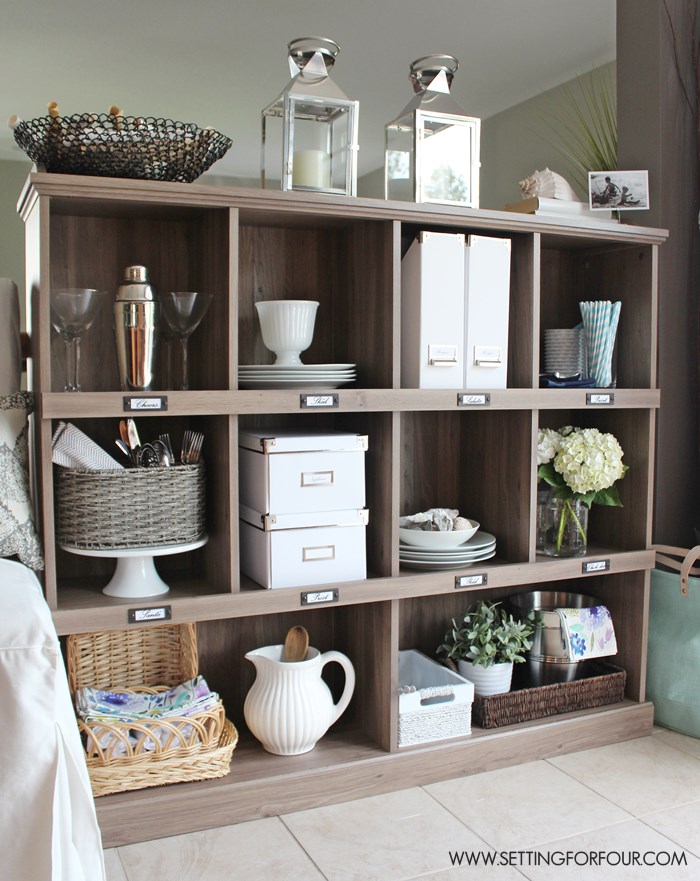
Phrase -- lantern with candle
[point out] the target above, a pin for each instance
(432, 147)
(309, 133)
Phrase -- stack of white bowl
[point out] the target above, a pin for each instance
(565, 351)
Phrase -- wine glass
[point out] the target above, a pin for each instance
(73, 310)
(183, 311)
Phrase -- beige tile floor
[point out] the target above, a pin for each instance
(641, 797)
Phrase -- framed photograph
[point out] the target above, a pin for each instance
(620, 190)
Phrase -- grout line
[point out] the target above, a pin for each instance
(119, 857)
(303, 849)
(667, 836)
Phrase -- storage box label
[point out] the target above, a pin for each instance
(317, 478)
(471, 580)
(158, 403)
(467, 400)
(325, 552)
(312, 597)
(155, 613)
(327, 402)
(600, 398)
(595, 566)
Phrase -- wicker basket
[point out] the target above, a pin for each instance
(131, 508)
(121, 146)
(147, 659)
(605, 686)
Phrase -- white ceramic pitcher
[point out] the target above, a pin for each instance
(289, 706)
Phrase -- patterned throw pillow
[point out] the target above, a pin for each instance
(17, 533)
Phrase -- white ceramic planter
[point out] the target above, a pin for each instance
(487, 680)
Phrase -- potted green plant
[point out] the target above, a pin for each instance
(485, 643)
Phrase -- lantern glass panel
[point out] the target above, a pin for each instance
(399, 160)
(446, 159)
(320, 133)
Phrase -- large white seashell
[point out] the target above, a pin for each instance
(547, 184)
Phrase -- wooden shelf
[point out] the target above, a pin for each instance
(346, 765)
(425, 448)
(88, 405)
(84, 608)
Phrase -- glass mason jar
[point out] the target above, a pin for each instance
(567, 532)
(544, 513)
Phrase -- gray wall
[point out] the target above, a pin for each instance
(519, 140)
(12, 178)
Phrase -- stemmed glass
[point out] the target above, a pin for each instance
(183, 311)
(73, 310)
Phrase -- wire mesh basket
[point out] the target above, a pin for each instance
(108, 145)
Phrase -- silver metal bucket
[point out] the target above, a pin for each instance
(547, 661)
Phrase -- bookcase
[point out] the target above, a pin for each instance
(426, 448)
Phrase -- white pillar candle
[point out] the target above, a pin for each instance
(311, 168)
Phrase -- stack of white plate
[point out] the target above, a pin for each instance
(278, 376)
(481, 547)
(564, 351)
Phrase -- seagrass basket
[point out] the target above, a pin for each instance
(135, 755)
(606, 685)
(131, 508)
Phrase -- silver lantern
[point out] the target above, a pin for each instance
(432, 148)
(309, 133)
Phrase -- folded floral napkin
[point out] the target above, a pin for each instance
(98, 705)
(587, 633)
(74, 449)
(146, 713)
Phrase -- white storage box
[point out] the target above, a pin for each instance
(298, 550)
(440, 706)
(286, 472)
(455, 294)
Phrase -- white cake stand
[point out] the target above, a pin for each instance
(135, 575)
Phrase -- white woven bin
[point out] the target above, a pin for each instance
(440, 707)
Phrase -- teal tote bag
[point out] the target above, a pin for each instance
(673, 665)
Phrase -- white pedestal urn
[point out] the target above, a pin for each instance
(289, 706)
(495, 679)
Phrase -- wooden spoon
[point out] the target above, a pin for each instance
(296, 644)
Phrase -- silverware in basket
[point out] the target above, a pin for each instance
(191, 447)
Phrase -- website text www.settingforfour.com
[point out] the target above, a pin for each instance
(579, 858)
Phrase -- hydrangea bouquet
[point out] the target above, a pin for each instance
(581, 465)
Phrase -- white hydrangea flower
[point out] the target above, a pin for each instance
(589, 460)
(548, 443)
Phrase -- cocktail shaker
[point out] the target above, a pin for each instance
(136, 312)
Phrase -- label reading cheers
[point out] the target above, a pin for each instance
(471, 580)
(595, 566)
(131, 404)
(156, 613)
(312, 597)
(600, 398)
(467, 400)
(327, 402)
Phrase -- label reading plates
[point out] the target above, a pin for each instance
(600, 398)
(314, 597)
(155, 613)
(465, 399)
(318, 402)
(589, 566)
(471, 580)
(132, 404)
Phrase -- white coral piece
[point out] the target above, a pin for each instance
(547, 184)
